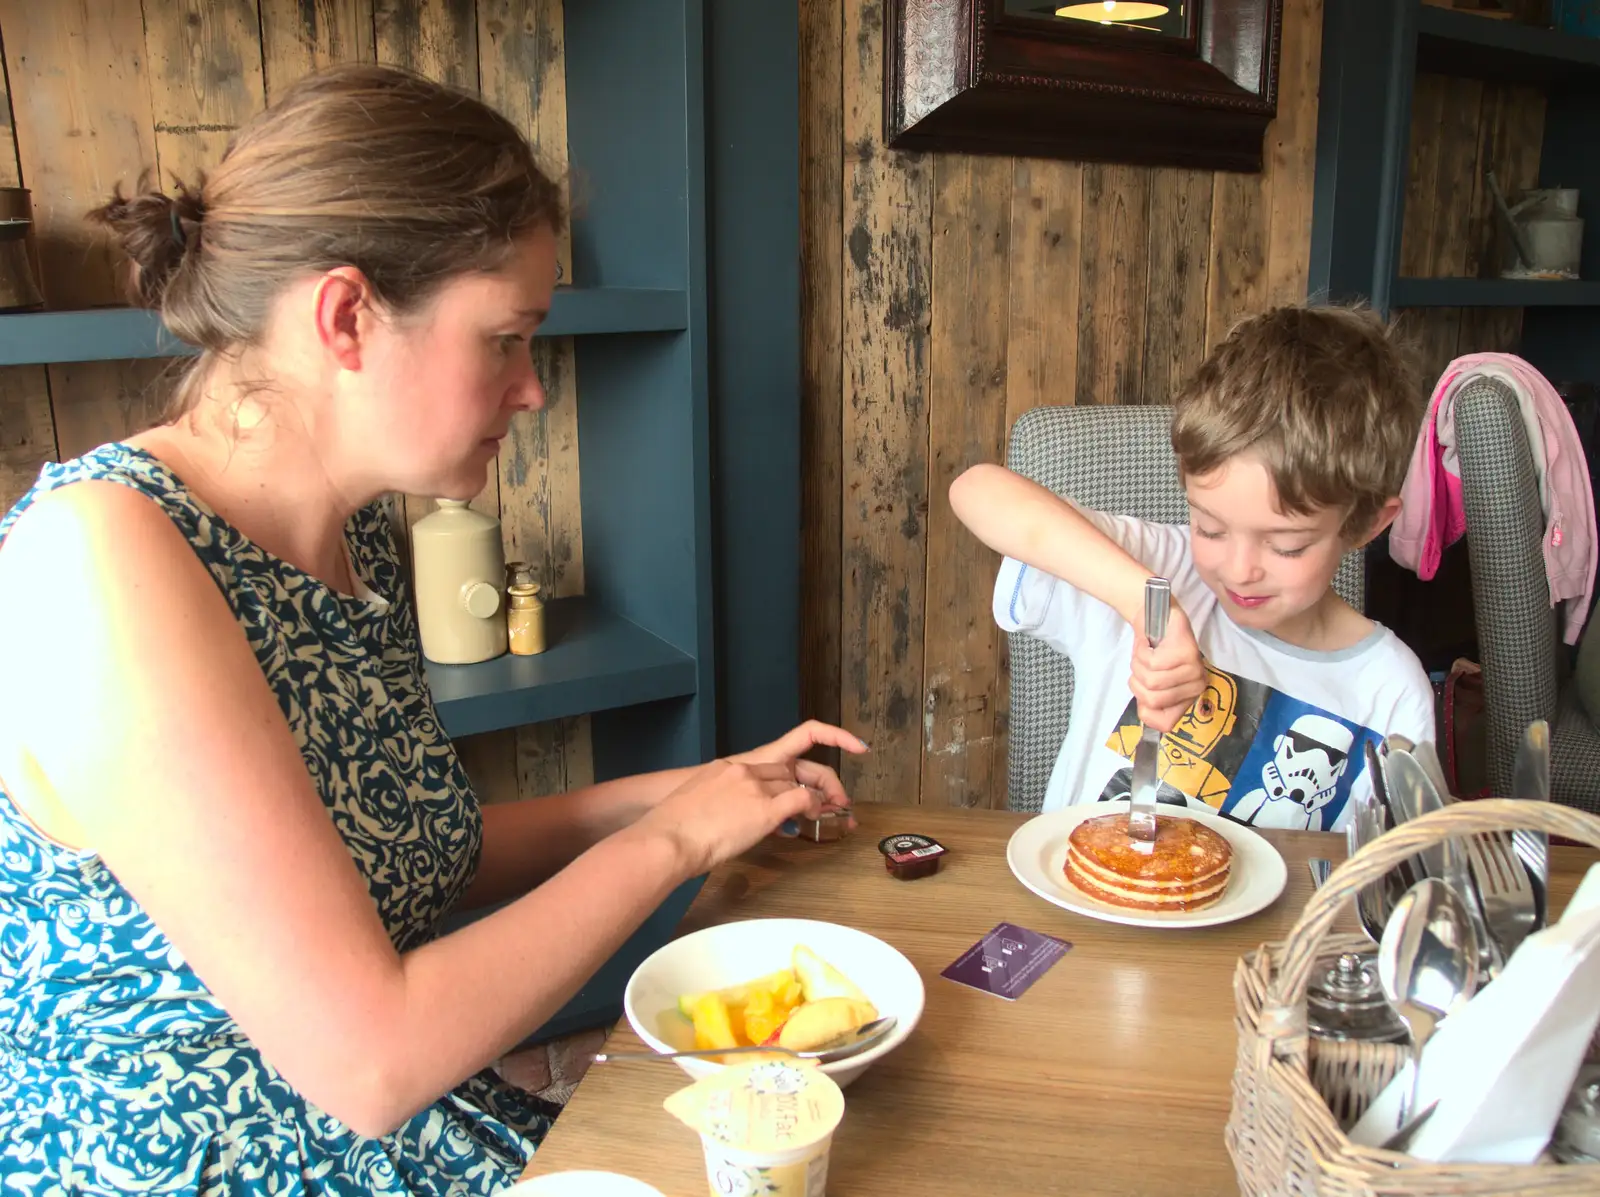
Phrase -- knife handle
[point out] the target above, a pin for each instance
(1157, 606)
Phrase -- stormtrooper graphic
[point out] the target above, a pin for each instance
(1301, 777)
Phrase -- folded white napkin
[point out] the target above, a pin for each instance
(1500, 1068)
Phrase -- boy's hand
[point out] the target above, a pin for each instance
(1168, 678)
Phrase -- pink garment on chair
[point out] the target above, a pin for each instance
(1433, 513)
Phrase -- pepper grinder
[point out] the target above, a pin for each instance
(460, 568)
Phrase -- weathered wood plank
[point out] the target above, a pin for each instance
(80, 96)
(301, 36)
(27, 430)
(963, 749)
(436, 38)
(81, 99)
(1422, 174)
(577, 756)
(1112, 287)
(1450, 242)
(1481, 219)
(1180, 260)
(1237, 283)
(887, 301)
(523, 69)
(1523, 126)
(1291, 152)
(541, 523)
(1046, 261)
(1041, 340)
(491, 762)
(538, 467)
(1490, 330)
(821, 357)
(96, 402)
(10, 170)
(205, 79)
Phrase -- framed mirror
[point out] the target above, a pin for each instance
(1189, 83)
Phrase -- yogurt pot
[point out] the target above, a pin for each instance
(801, 1172)
(766, 1127)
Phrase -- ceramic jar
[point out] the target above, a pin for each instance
(460, 571)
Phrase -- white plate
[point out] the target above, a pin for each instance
(1037, 855)
(581, 1184)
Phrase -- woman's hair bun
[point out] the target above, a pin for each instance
(158, 232)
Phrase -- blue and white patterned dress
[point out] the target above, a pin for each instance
(119, 1072)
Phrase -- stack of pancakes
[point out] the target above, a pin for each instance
(1187, 870)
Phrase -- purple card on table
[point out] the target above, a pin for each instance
(1007, 960)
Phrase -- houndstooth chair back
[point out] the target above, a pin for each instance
(1518, 635)
(1116, 459)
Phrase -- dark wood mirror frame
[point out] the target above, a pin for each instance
(965, 75)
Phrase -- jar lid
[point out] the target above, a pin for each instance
(1344, 1000)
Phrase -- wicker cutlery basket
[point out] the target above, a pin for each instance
(1290, 1092)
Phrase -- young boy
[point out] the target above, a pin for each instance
(1292, 441)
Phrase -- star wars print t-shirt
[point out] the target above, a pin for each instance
(1277, 738)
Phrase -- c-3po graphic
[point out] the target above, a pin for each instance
(1186, 765)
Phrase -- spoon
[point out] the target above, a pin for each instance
(851, 1044)
(1427, 966)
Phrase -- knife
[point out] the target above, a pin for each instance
(1142, 793)
(1530, 780)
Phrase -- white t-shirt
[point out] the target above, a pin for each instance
(1276, 740)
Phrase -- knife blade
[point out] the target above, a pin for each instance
(1142, 791)
(1530, 780)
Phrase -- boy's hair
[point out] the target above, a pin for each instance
(1325, 397)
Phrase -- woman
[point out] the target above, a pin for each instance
(229, 820)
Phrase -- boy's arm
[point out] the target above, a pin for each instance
(1021, 519)
(1024, 521)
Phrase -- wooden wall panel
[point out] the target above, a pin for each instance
(1114, 282)
(298, 38)
(1178, 282)
(436, 38)
(963, 742)
(27, 432)
(205, 79)
(821, 358)
(103, 89)
(81, 106)
(1461, 129)
(888, 217)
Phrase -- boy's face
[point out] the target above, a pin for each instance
(1266, 567)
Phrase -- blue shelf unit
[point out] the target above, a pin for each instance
(687, 502)
(116, 334)
(1371, 53)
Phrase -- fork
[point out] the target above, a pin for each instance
(1505, 892)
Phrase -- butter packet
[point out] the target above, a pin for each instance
(766, 1126)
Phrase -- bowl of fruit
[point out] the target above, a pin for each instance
(789, 983)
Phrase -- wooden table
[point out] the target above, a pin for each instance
(1111, 1075)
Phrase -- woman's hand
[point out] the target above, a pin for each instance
(1168, 678)
(827, 790)
(724, 808)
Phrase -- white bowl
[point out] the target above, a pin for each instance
(733, 953)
